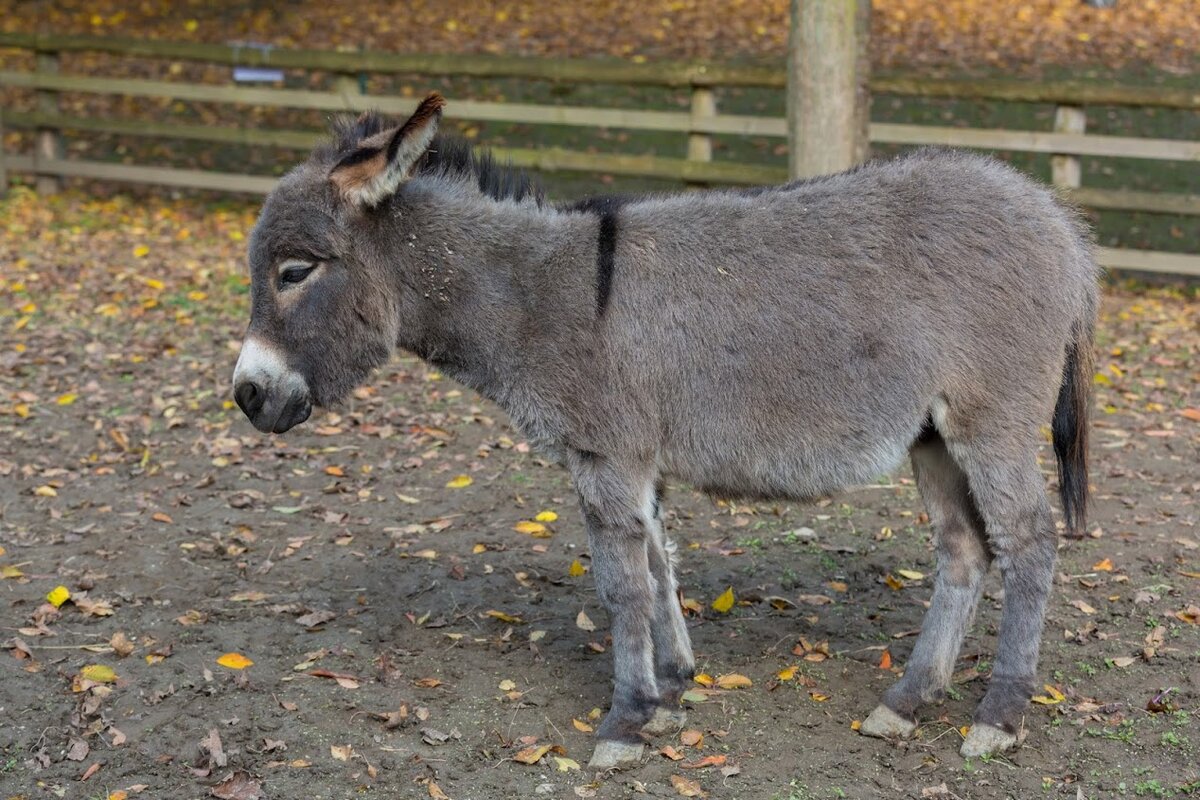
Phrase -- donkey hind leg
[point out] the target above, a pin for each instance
(963, 560)
(1011, 496)
(674, 664)
(618, 538)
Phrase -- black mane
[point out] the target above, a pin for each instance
(448, 156)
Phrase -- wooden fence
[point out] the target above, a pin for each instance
(1066, 143)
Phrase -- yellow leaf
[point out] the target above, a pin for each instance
(191, 25)
(67, 399)
(581, 726)
(576, 569)
(141, 251)
(235, 661)
(546, 516)
(911, 574)
(479, 548)
(838, 586)
(2, 550)
(506, 685)
(22, 410)
(9, 571)
(336, 472)
(45, 491)
(534, 529)
(532, 755)
(566, 764)
(119, 794)
(98, 673)
(1104, 566)
(154, 283)
(893, 582)
(500, 615)
(818, 696)
(724, 602)
(786, 674)
(58, 595)
(21, 323)
(704, 679)
(734, 681)
(1052, 697)
(459, 482)
(855, 724)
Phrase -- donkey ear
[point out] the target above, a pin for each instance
(382, 162)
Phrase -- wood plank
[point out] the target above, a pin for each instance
(158, 176)
(658, 73)
(1148, 261)
(1131, 200)
(1037, 141)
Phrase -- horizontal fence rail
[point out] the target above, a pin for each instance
(1066, 143)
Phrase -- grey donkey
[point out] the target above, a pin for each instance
(780, 342)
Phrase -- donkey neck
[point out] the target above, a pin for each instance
(492, 285)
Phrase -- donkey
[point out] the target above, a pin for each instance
(781, 342)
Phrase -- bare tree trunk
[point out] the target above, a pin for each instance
(826, 119)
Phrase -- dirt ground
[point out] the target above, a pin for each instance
(408, 642)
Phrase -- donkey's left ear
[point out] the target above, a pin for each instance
(375, 170)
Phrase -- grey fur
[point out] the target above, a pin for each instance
(784, 342)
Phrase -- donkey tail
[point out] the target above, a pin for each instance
(1070, 427)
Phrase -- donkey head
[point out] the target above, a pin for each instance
(324, 309)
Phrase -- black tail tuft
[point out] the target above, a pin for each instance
(1070, 429)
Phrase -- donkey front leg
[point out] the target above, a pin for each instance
(618, 538)
(674, 664)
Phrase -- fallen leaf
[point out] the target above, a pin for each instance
(98, 673)
(786, 674)
(584, 622)
(893, 583)
(503, 617)
(576, 569)
(459, 482)
(724, 602)
(1123, 661)
(911, 574)
(733, 681)
(581, 726)
(45, 491)
(685, 787)
(57, 596)
(436, 792)
(216, 751)
(670, 752)
(534, 529)
(885, 659)
(341, 752)
(566, 764)
(532, 755)
(1083, 606)
(159, 516)
(546, 516)
(238, 786)
(314, 618)
(691, 738)
(120, 644)
(1052, 696)
(703, 678)
(708, 761)
(1104, 566)
(234, 661)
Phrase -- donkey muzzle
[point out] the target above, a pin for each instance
(273, 397)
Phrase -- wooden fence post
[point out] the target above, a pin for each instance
(823, 93)
(349, 86)
(1066, 170)
(48, 142)
(700, 143)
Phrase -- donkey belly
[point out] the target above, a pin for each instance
(799, 460)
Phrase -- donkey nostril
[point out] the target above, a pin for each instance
(249, 398)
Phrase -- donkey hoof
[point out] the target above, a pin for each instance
(887, 724)
(665, 720)
(612, 754)
(986, 740)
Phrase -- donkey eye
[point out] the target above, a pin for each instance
(296, 273)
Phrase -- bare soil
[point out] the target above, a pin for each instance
(407, 642)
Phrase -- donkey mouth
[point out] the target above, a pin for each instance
(297, 410)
